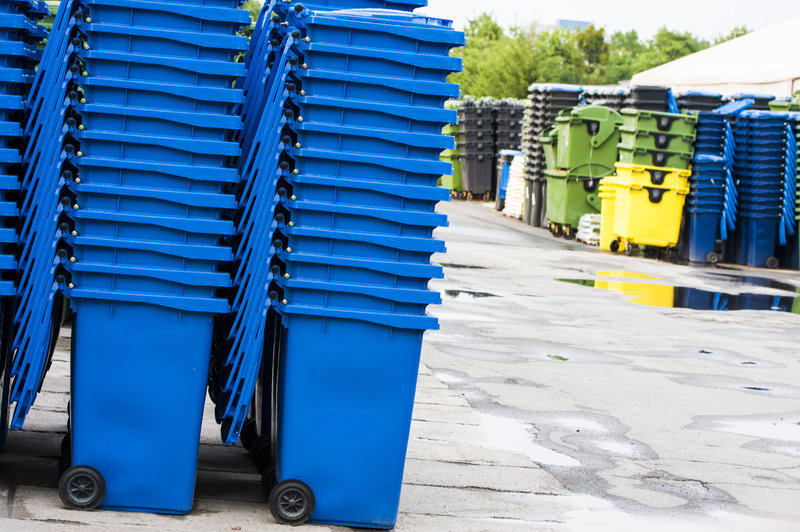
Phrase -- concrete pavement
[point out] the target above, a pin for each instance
(541, 404)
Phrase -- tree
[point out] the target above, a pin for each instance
(735, 33)
(484, 29)
(624, 48)
(592, 42)
(667, 46)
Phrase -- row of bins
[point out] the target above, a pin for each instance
(712, 204)
(258, 229)
(545, 102)
(344, 200)
(580, 150)
(765, 169)
(133, 116)
(642, 204)
(485, 128)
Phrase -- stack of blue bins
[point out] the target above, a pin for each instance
(352, 245)
(712, 202)
(148, 203)
(765, 169)
(37, 306)
(20, 33)
(241, 336)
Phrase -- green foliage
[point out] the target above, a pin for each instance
(667, 46)
(624, 48)
(254, 7)
(736, 32)
(503, 63)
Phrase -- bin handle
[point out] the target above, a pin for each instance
(183, 303)
(404, 295)
(398, 321)
(606, 170)
(420, 270)
(608, 119)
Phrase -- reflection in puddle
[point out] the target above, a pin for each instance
(659, 295)
(625, 275)
(466, 295)
(750, 280)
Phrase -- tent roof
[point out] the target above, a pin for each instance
(765, 57)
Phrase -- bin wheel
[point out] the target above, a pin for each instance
(291, 502)
(268, 480)
(557, 230)
(81, 488)
(614, 246)
(773, 263)
(569, 234)
(713, 257)
(248, 434)
(631, 249)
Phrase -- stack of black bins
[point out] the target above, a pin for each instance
(648, 99)
(475, 143)
(761, 101)
(692, 100)
(611, 97)
(508, 116)
(545, 102)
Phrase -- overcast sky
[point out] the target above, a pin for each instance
(706, 18)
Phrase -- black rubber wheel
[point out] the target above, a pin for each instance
(557, 230)
(81, 488)
(268, 480)
(614, 246)
(713, 257)
(248, 434)
(291, 502)
(631, 249)
(773, 263)
(569, 234)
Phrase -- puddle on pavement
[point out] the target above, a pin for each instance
(768, 429)
(466, 295)
(461, 266)
(751, 280)
(659, 295)
(511, 435)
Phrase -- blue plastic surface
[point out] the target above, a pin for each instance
(148, 457)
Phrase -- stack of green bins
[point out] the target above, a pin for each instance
(453, 181)
(657, 139)
(580, 149)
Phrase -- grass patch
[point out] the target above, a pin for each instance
(564, 359)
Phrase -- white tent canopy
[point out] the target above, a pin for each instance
(766, 61)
